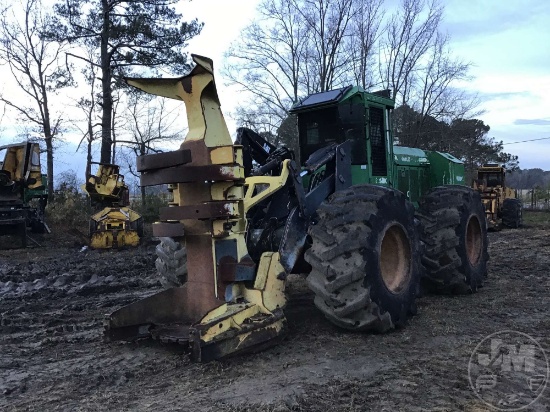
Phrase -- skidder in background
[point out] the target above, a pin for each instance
(502, 206)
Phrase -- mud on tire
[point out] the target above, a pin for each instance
(454, 233)
(171, 262)
(365, 258)
(512, 213)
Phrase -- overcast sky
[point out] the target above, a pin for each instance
(507, 41)
(509, 44)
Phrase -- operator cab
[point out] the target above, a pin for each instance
(491, 175)
(344, 114)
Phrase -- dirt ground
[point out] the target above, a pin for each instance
(53, 300)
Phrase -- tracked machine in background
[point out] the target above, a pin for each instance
(351, 212)
(114, 224)
(502, 206)
(23, 194)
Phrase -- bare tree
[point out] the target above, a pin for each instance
(326, 60)
(435, 95)
(365, 31)
(266, 62)
(35, 66)
(433, 101)
(149, 125)
(409, 36)
(295, 48)
(88, 105)
(300, 47)
(417, 64)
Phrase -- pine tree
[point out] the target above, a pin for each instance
(127, 35)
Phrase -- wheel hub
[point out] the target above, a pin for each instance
(395, 258)
(474, 241)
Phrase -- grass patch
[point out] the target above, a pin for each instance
(536, 218)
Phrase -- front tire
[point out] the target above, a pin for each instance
(454, 231)
(365, 258)
(171, 262)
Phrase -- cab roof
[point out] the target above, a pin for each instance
(337, 96)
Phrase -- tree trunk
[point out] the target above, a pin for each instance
(143, 198)
(143, 152)
(107, 101)
(113, 138)
(48, 137)
(89, 160)
(49, 167)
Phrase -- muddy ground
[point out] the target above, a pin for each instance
(53, 298)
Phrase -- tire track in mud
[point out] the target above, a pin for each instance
(53, 356)
(52, 310)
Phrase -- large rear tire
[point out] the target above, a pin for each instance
(454, 231)
(365, 258)
(512, 213)
(171, 262)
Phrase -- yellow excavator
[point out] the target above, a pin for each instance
(502, 206)
(114, 224)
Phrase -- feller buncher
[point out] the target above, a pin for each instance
(21, 181)
(352, 212)
(114, 224)
(502, 207)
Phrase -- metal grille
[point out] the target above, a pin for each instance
(414, 185)
(378, 145)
